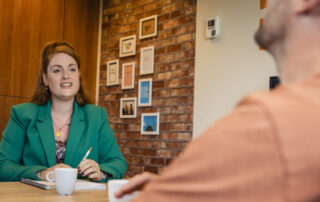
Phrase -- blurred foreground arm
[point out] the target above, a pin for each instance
(236, 159)
(135, 184)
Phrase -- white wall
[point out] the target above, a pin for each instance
(231, 66)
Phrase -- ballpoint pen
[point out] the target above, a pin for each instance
(85, 156)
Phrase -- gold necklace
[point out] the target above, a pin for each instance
(59, 128)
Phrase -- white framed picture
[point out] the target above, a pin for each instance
(128, 107)
(150, 123)
(127, 46)
(147, 60)
(128, 75)
(148, 27)
(113, 73)
(145, 92)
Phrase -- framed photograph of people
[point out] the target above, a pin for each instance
(147, 60)
(148, 27)
(150, 123)
(128, 72)
(113, 73)
(128, 107)
(128, 46)
(145, 92)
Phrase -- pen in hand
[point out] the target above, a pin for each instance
(85, 156)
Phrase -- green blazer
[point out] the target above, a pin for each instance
(28, 143)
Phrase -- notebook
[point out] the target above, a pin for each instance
(80, 184)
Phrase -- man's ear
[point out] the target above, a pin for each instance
(302, 7)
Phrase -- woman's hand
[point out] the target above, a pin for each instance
(43, 174)
(135, 184)
(90, 169)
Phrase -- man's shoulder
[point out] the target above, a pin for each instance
(278, 96)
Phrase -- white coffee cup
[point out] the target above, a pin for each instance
(114, 186)
(65, 179)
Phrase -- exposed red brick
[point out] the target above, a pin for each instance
(173, 79)
(151, 169)
(161, 145)
(186, 19)
(174, 48)
(164, 17)
(173, 145)
(164, 153)
(172, 118)
(179, 30)
(160, 51)
(157, 161)
(169, 136)
(172, 101)
(177, 126)
(184, 37)
(178, 92)
(184, 136)
(169, 8)
(164, 76)
(158, 84)
(176, 13)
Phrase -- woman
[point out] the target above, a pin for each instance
(59, 127)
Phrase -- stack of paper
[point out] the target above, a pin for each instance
(80, 184)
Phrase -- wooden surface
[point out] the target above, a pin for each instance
(26, 26)
(263, 4)
(5, 106)
(83, 34)
(17, 191)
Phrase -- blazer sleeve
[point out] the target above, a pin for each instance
(110, 156)
(11, 150)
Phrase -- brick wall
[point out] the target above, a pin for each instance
(173, 79)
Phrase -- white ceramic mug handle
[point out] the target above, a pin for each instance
(48, 176)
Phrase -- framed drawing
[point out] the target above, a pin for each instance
(150, 123)
(145, 92)
(113, 73)
(128, 72)
(128, 46)
(128, 107)
(148, 27)
(147, 60)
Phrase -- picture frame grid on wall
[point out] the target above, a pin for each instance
(148, 27)
(127, 46)
(128, 75)
(147, 60)
(145, 92)
(113, 72)
(150, 123)
(128, 107)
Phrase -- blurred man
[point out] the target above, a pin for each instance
(267, 149)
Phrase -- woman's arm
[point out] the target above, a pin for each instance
(11, 150)
(111, 160)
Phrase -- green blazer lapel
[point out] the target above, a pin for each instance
(76, 132)
(45, 129)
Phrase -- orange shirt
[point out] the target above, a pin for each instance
(266, 150)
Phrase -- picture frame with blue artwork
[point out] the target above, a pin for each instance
(150, 123)
(145, 92)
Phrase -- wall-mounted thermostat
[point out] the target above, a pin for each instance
(212, 27)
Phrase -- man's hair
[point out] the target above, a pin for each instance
(42, 93)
